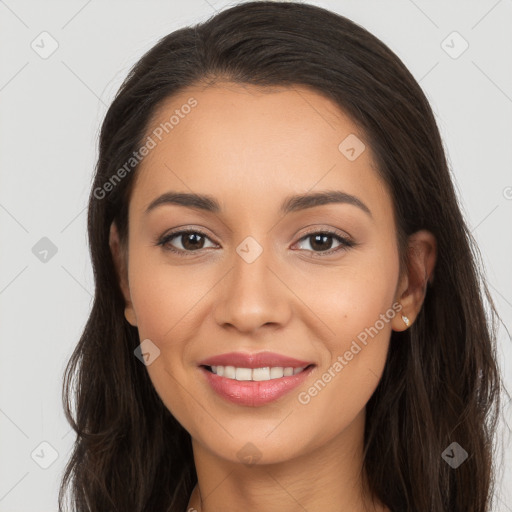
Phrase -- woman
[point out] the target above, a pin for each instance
(287, 312)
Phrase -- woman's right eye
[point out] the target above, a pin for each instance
(190, 241)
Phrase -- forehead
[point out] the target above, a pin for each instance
(264, 142)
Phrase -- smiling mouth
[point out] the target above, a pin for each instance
(255, 374)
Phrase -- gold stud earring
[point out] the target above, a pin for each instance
(406, 320)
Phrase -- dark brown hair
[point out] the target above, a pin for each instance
(441, 382)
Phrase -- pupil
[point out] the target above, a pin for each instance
(323, 239)
(189, 238)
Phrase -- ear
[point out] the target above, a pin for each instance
(120, 258)
(421, 260)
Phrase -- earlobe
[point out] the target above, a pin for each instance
(119, 259)
(422, 255)
(129, 314)
(401, 321)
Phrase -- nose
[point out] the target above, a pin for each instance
(252, 295)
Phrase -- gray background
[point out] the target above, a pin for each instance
(51, 111)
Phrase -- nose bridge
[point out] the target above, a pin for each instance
(252, 295)
(251, 265)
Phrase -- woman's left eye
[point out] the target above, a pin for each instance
(321, 239)
(191, 241)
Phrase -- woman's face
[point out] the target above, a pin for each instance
(258, 273)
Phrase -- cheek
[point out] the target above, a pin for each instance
(352, 299)
(359, 305)
(164, 297)
(358, 312)
(168, 307)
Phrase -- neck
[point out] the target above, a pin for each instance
(328, 478)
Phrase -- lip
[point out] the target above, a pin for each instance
(254, 393)
(257, 360)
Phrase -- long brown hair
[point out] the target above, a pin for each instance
(441, 382)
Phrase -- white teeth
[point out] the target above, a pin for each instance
(277, 372)
(243, 374)
(255, 374)
(229, 372)
(261, 373)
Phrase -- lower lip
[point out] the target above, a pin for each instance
(254, 393)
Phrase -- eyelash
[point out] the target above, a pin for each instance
(345, 243)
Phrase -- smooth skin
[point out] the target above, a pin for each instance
(251, 148)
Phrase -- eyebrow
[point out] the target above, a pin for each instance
(291, 204)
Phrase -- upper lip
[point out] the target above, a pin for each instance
(257, 360)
